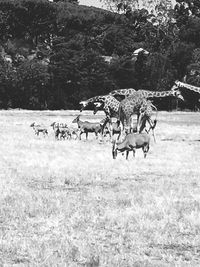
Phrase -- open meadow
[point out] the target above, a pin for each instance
(68, 203)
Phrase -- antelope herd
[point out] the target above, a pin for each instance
(62, 131)
(105, 127)
(102, 129)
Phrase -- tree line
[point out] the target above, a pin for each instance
(54, 54)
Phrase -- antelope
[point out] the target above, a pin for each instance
(39, 129)
(132, 142)
(56, 125)
(60, 130)
(87, 127)
(73, 133)
(68, 133)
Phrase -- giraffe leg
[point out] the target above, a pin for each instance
(110, 127)
(132, 126)
(139, 122)
(142, 125)
(129, 126)
(121, 134)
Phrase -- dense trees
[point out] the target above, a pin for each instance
(53, 54)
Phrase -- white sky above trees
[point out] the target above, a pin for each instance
(98, 3)
(95, 3)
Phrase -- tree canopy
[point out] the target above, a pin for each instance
(54, 54)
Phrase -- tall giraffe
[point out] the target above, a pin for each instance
(149, 94)
(134, 104)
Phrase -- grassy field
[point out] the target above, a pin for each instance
(68, 203)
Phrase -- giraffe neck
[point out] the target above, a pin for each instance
(112, 102)
(188, 86)
(128, 91)
(96, 99)
(111, 106)
(154, 94)
(145, 93)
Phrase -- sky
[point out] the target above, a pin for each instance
(98, 3)
(95, 3)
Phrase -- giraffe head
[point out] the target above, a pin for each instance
(83, 104)
(177, 83)
(98, 106)
(176, 92)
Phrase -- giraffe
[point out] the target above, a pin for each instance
(134, 104)
(146, 111)
(149, 94)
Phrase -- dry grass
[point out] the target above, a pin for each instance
(67, 203)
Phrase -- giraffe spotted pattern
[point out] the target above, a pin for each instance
(174, 92)
(134, 104)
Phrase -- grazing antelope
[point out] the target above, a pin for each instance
(73, 133)
(62, 133)
(87, 127)
(68, 133)
(39, 129)
(132, 142)
(60, 130)
(56, 125)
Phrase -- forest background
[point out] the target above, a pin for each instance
(54, 54)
